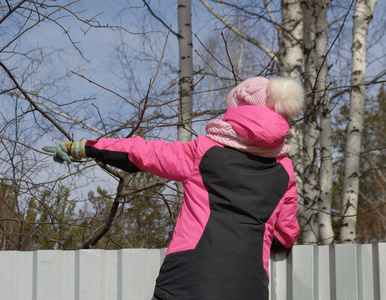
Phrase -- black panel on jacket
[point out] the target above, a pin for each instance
(276, 244)
(227, 262)
(113, 158)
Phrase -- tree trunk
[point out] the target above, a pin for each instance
(364, 10)
(310, 129)
(185, 82)
(185, 77)
(290, 47)
(326, 171)
(291, 64)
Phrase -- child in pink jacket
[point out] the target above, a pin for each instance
(239, 192)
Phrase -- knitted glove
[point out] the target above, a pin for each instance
(67, 151)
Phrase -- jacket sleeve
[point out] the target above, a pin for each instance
(287, 227)
(172, 161)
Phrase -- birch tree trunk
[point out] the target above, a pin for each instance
(364, 10)
(290, 48)
(185, 78)
(291, 64)
(326, 171)
(185, 83)
(310, 129)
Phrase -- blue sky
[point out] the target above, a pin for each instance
(98, 45)
(101, 65)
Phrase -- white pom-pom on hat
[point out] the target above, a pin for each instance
(284, 95)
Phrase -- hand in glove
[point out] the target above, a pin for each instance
(67, 151)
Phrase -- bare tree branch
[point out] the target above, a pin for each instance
(11, 10)
(240, 33)
(47, 116)
(159, 19)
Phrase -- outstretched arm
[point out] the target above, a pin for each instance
(168, 160)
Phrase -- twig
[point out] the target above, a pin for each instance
(229, 58)
(103, 123)
(106, 89)
(243, 35)
(342, 215)
(65, 115)
(159, 19)
(29, 224)
(103, 229)
(214, 57)
(333, 43)
(149, 88)
(11, 10)
(33, 102)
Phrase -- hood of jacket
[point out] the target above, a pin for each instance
(259, 125)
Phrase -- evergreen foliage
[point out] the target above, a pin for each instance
(56, 221)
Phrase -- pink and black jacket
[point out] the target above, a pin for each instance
(234, 205)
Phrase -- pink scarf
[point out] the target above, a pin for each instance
(223, 132)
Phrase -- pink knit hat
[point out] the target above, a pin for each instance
(284, 95)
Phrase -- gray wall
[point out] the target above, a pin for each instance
(337, 272)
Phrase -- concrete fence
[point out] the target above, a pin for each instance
(336, 272)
